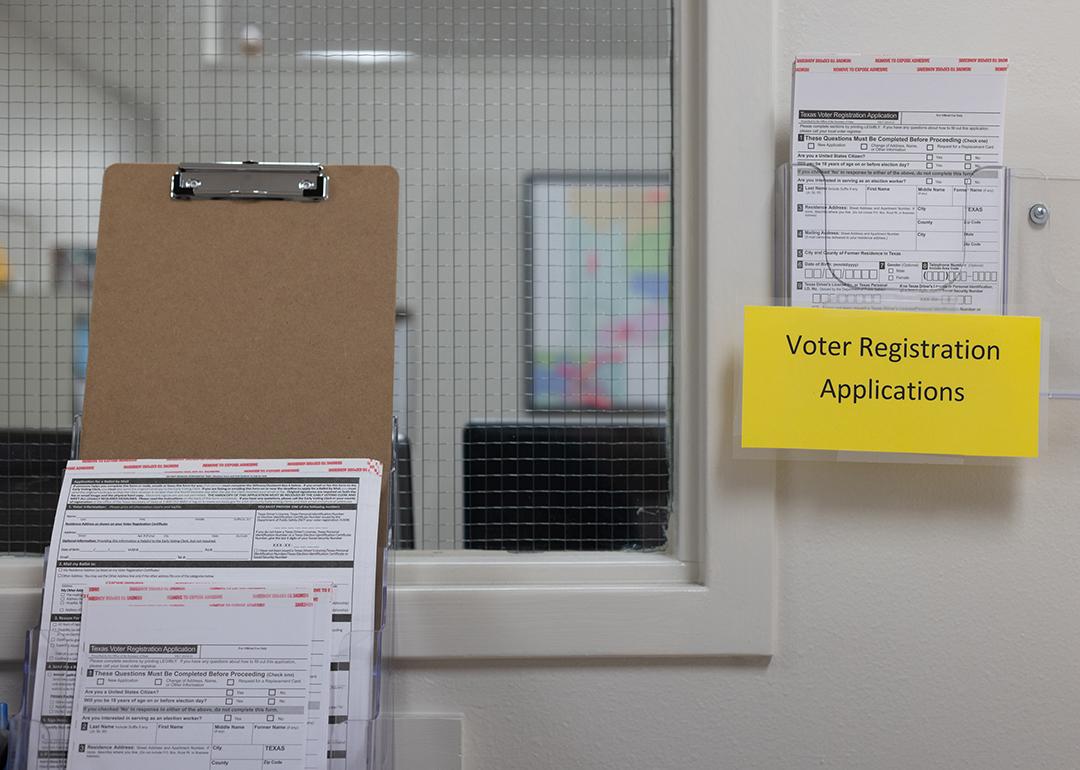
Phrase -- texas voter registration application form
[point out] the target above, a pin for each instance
(196, 677)
(233, 523)
(898, 186)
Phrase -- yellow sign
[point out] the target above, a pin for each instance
(882, 381)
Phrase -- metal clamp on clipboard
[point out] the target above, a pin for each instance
(250, 180)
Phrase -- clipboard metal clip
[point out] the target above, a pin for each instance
(250, 180)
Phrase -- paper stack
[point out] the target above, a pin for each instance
(211, 613)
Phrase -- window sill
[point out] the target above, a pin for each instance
(501, 605)
(439, 569)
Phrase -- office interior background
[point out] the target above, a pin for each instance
(920, 615)
(514, 128)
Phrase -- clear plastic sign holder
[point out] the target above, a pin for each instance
(377, 732)
(1044, 269)
(1036, 232)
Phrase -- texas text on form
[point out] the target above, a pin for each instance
(897, 188)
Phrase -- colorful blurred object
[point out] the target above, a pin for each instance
(73, 268)
(600, 259)
(5, 267)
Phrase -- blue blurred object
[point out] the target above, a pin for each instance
(80, 345)
(4, 727)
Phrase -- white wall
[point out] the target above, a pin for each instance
(927, 615)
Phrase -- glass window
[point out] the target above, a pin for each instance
(534, 143)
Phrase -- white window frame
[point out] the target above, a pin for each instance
(715, 595)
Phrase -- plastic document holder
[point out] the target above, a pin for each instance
(1044, 269)
(955, 214)
(32, 733)
(1039, 229)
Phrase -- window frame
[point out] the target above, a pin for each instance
(714, 594)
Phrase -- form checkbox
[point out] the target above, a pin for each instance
(809, 145)
(230, 681)
(967, 157)
(929, 180)
(929, 165)
(929, 147)
(157, 681)
(929, 156)
(228, 717)
(229, 692)
(864, 146)
(967, 165)
(228, 701)
(101, 681)
(967, 180)
(271, 692)
(269, 717)
(271, 701)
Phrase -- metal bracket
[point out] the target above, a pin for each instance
(250, 180)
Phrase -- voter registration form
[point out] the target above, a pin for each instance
(227, 522)
(208, 677)
(898, 185)
(138, 715)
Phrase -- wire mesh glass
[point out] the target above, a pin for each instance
(534, 142)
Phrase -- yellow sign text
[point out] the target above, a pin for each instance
(883, 381)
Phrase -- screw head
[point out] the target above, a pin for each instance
(1039, 214)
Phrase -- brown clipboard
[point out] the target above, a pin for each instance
(243, 328)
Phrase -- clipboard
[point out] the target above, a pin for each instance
(224, 325)
(243, 310)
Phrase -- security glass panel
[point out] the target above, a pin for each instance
(534, 354)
